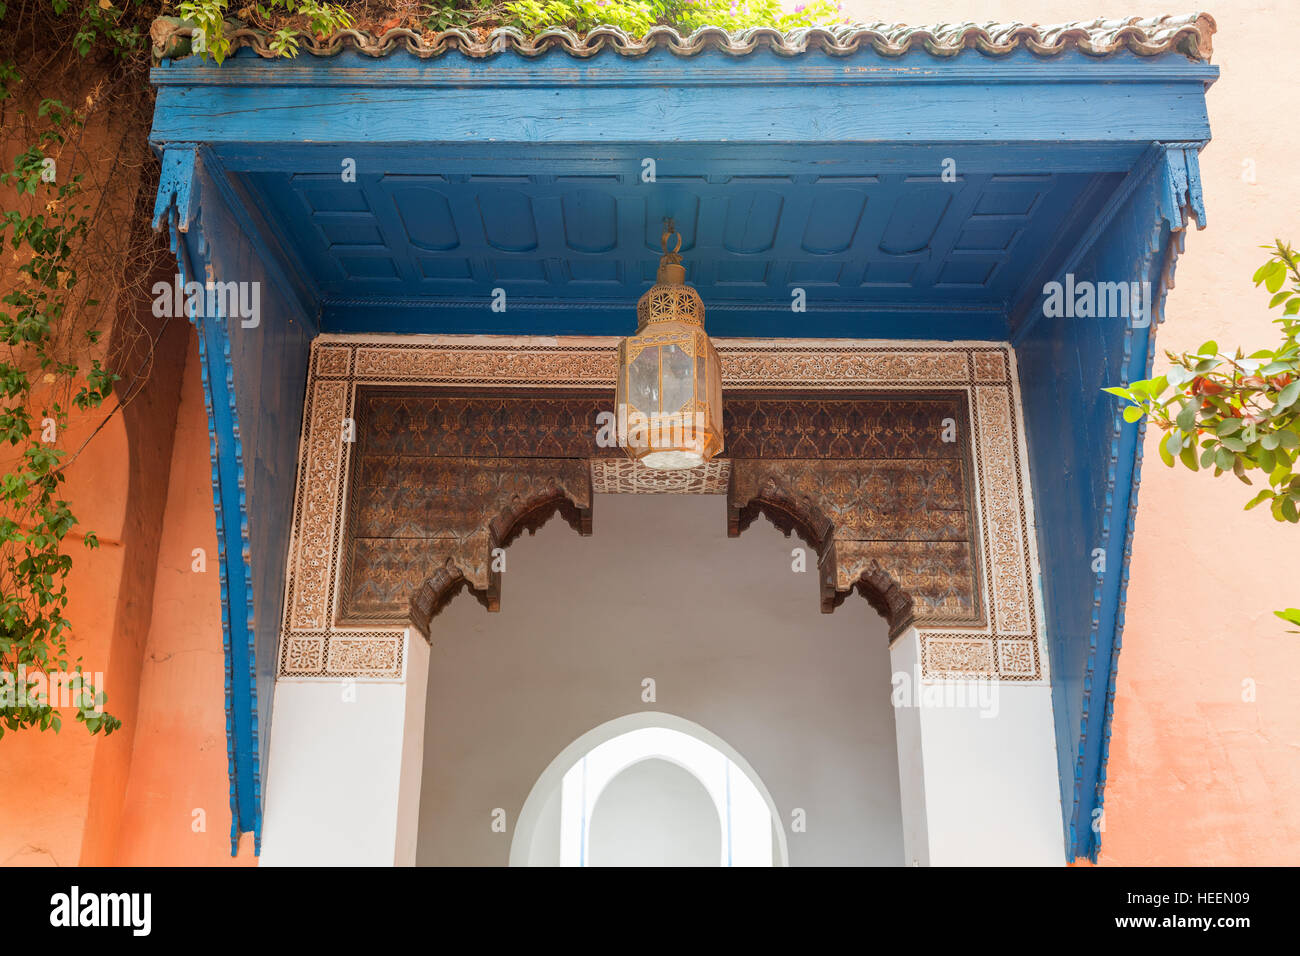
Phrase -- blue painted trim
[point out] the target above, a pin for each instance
(739, 321)
(257, 374)
(658, 98)
(1182, 172)
(1064, 363)
(737, 159)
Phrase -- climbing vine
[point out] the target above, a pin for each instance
(62, 65)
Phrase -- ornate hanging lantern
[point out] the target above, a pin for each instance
(669, 393)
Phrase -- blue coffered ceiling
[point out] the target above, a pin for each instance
(876, 252)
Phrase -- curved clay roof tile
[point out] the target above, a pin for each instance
(1189, 34)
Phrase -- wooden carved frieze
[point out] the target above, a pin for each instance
(899, 463)
(441, 481)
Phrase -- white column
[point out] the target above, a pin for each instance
(977, 768)
(343, 787)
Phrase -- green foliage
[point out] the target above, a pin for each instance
(321, 19)
(281, 18)
(638, 16)
(1238, 413)
(105, 26)
(44, 220)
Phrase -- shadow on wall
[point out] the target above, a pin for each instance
(659, 614)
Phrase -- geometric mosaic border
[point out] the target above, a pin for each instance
(1009, 647)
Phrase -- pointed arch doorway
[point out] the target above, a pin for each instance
(649, 788)
(797, 701)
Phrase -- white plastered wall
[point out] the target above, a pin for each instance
(344, 783)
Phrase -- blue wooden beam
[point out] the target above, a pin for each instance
(863, 98)
(1085, 462)
(254, 373)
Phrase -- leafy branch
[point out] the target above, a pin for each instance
(1237, 413)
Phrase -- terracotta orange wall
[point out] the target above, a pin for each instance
(46, 792)
(154, 632)
(1197, 775)
(177, 809)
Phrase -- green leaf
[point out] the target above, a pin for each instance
(1264, 495)
(1209, 349)
(1186, 419)
(1276, 276)
(1166, 454)
(1188, 457)
(1233, 444)
(1228, 426)
(1133, 413)
(1286, 398)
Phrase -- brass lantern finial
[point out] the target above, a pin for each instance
(671, 271)
(670, 299)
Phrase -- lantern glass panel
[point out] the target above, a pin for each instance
(678, 385)
(643, 381)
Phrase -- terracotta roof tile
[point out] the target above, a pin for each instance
(1189, 34)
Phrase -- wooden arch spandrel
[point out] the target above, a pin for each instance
(870, 531)
(562, 488)
(419, 532)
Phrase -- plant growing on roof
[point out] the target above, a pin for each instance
(284, 20)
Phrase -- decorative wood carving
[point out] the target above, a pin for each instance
(872, 528)
(425, 518)
(841, 443)
(506, 520)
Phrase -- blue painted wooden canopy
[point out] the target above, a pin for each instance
(909, 195)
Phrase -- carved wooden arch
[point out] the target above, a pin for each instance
(420, 528)
(501, 521)
(755, 489)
